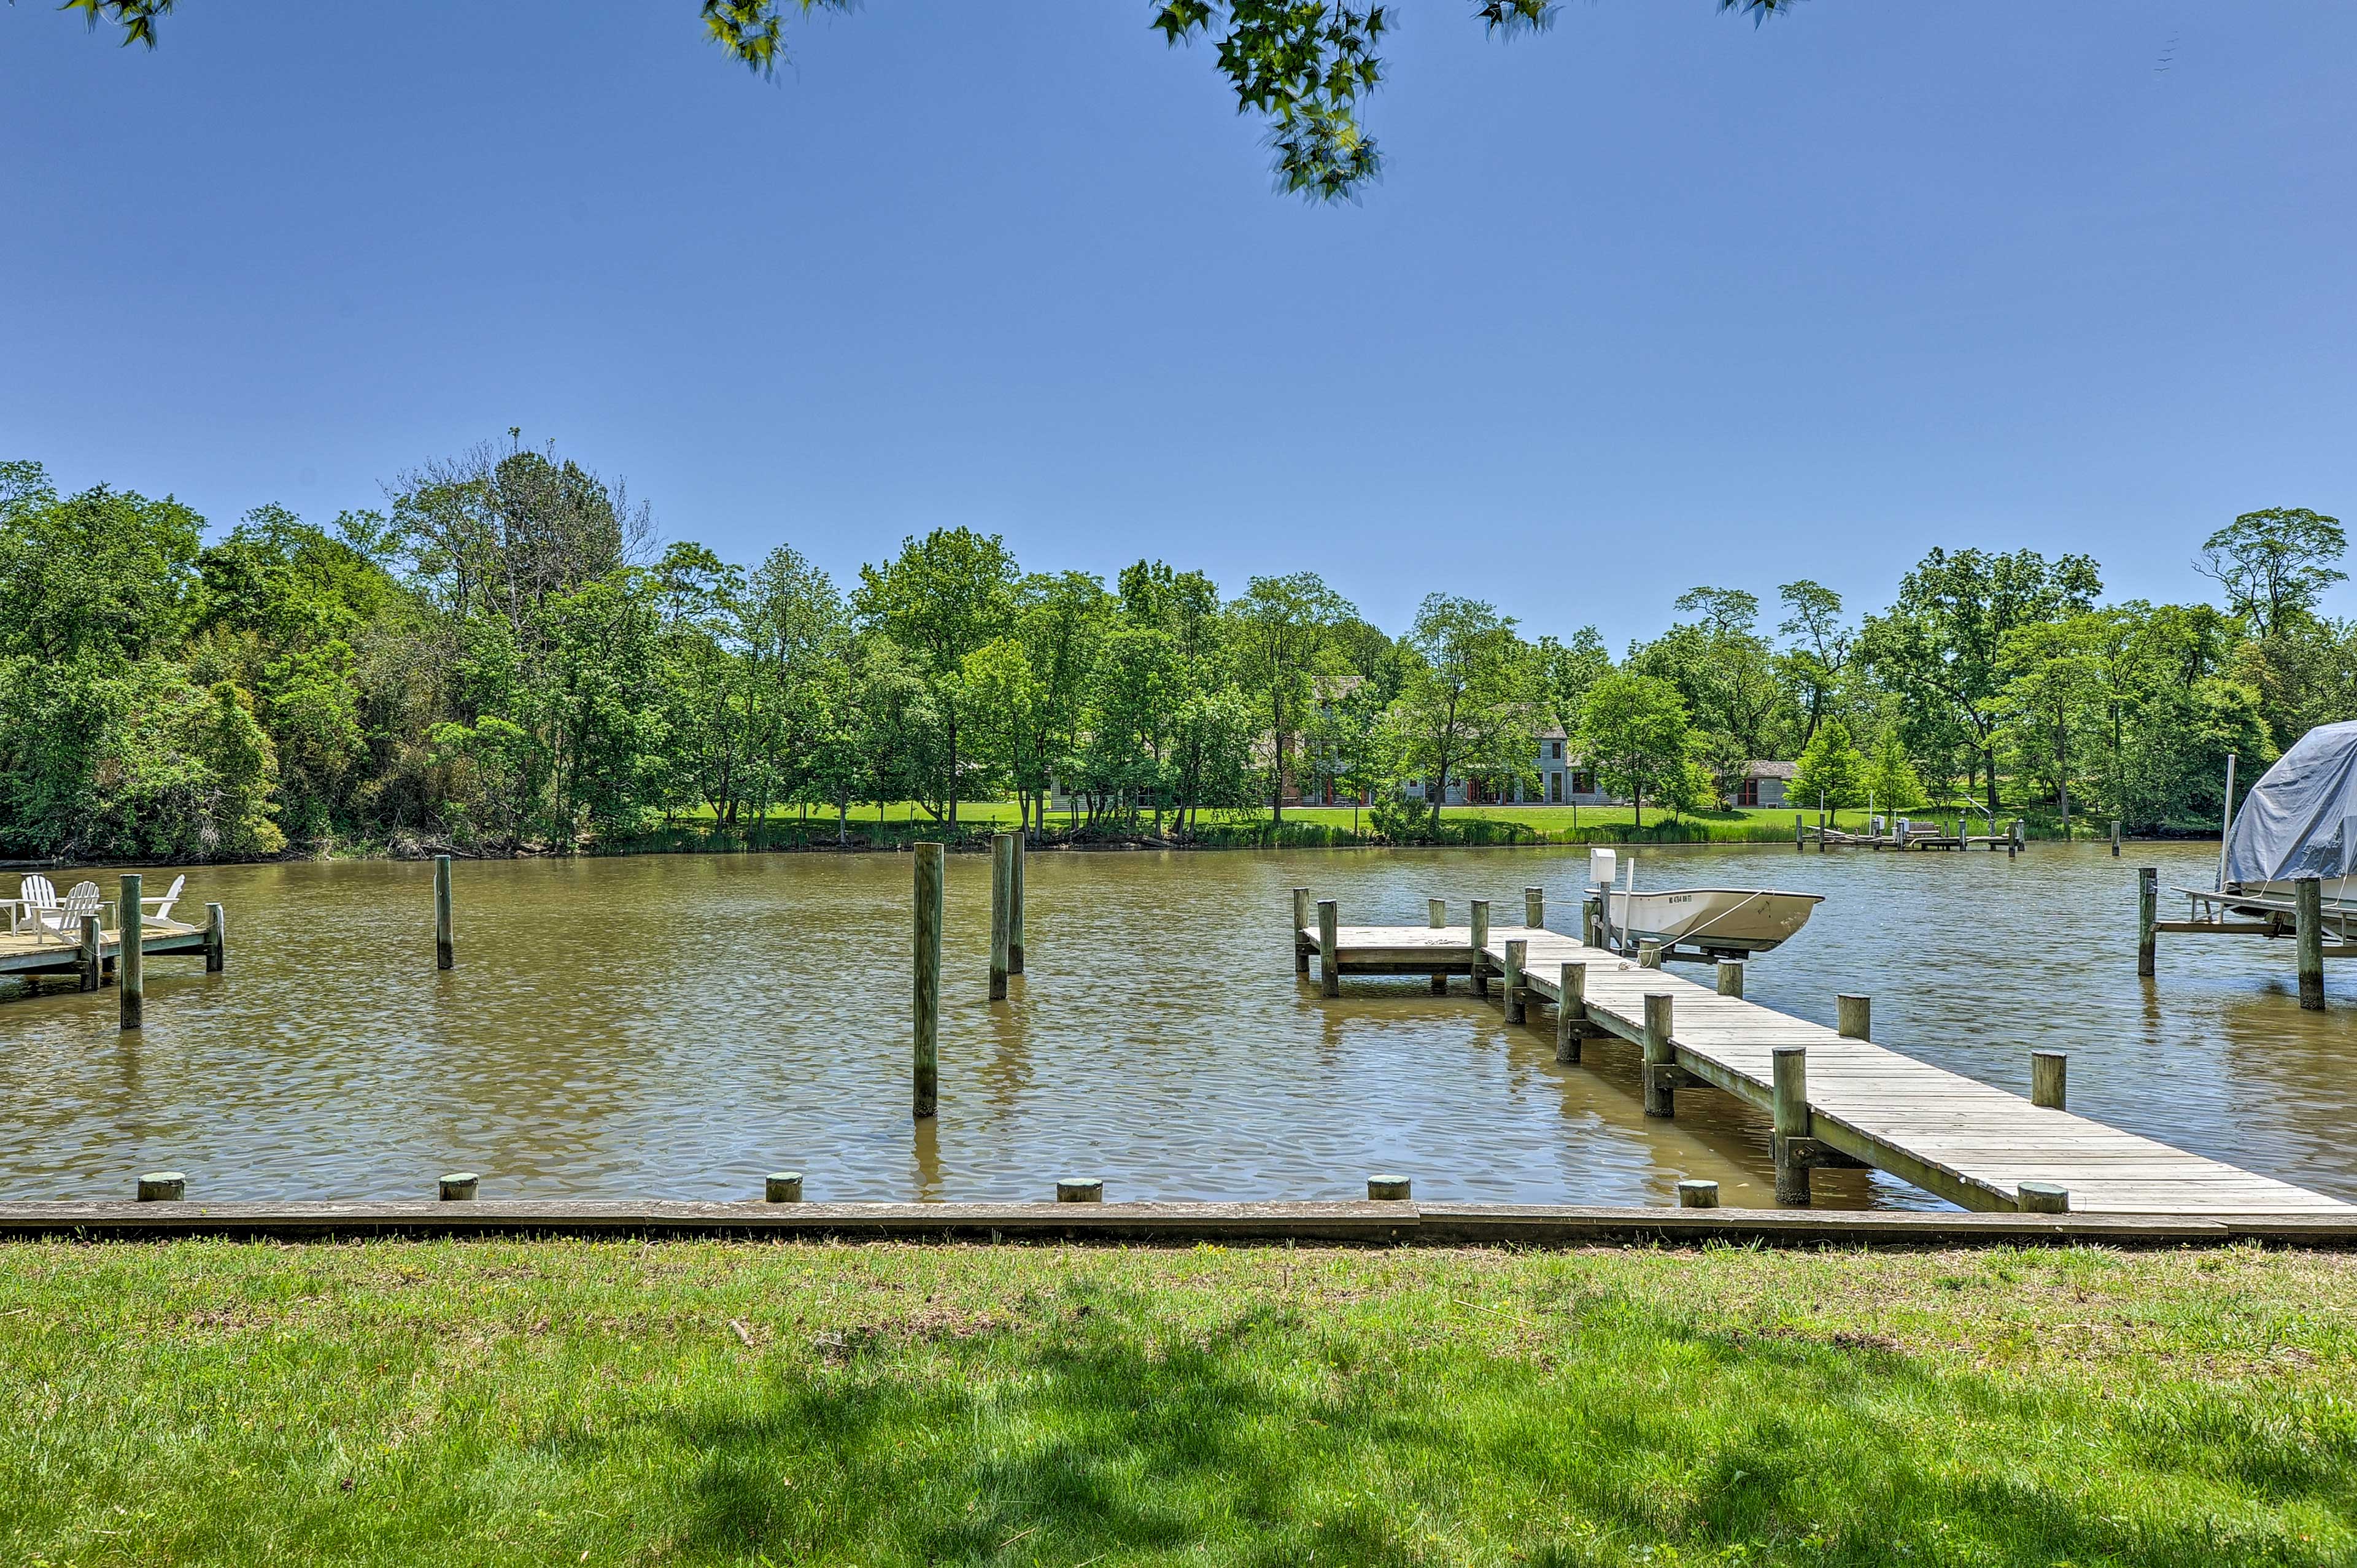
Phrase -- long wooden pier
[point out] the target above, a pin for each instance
(1836, 1098)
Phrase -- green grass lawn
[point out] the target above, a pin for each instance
(564, 1403)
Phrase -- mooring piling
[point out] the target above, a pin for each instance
(1015, 910)
(2307, 931)
(1697, 1195)
(2044, 1198)
(1660, 1057)
(216, 939)
(1079, 1190)
(2116, 838)
(1300, 926)
(1789, 1112)
(460, 1186)
(2147, 915)
(1329, 947)
(1002, 910)
(1517, 950)
(1534, 908)
(1730, 977)
(928, 858)
(1591, 916)
(89, 956)
(1388, 1189)
(1571, 1024)
(1480, 923)
(129, 966)
(1648, 954)
(1435, 914)
(163, 1186)
(783, 1187)
(444, 950)
(2050, 1078)
(1854, 1017)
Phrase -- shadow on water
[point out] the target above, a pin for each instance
(680, 1026)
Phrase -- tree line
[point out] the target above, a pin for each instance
(507, 656)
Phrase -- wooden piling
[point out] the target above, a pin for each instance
(928, 1018)
(1697, 1195)
(216, 939)
(1800, 841)
(783, 1187)
(131, 954)
(1388, 1188)
(1571, 1011)
(1300, 926)
(1480, 922)
(444, 951)
(1592, 917)
(1435, 915)
(1014, 913)
(2147, 915)
(2116, 838)
(1079, 1190)
(1516, 951)
(1854, 1017)
(1730, 977)
(1648, 955)
(1791, 1112)
(1002, 909)
(459, 1186)
(1661, 1059)
(2308, 928)
(163, 1186)
(1534, 908)
(92, 973)
(2050, 1078)
(1329, 944)
(2043, 1198)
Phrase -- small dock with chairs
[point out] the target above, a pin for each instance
(1832, 1095)
(82, 935)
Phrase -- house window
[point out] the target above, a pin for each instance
(1555, 750)
(1583, 783)
(1554, 788)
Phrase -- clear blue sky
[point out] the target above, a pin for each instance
(1656, 299)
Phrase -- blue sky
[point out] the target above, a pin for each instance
(1656, 299)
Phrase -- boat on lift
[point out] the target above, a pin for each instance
(1696, 922)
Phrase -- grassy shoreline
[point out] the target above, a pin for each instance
(425, 1402)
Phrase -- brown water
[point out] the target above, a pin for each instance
(677, 1027)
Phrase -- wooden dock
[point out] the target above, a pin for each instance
(1847, 1101)
(22, 953)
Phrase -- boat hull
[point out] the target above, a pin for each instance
(1713, 922)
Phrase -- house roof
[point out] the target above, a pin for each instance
(1770, 770)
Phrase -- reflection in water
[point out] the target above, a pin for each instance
(679, 1026)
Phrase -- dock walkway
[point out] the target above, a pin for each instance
(1954, 1136)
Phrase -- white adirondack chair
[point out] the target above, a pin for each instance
(63, 923)
(163, 915)
(34, 894)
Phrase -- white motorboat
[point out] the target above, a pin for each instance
(1716, 922)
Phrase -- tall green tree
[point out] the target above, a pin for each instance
(1633, 728)
(2274, 565)
(1940, 646)
(1280, 632)
(1466, 707)
(942, 598)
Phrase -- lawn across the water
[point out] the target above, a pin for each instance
(612, 1402)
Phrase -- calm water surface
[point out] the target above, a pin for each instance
(676, 1027)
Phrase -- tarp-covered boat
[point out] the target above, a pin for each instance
(2300, 818)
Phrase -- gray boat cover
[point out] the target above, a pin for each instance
(2297, 821)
